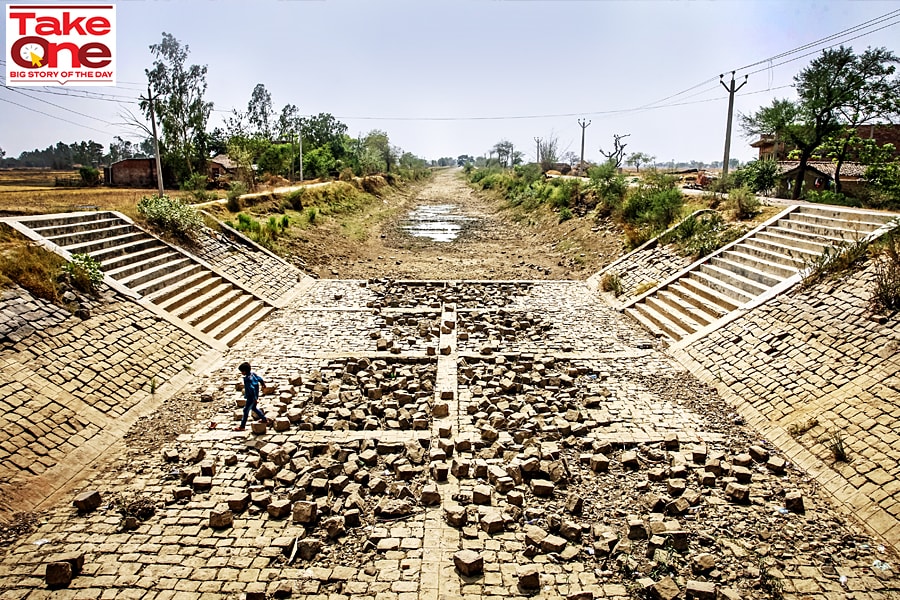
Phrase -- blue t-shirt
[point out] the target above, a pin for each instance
(252, 385)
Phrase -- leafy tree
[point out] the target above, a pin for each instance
(324, 130)
(289, 121)
(636, 159)
(2, 153)
(179, 104)
(318, 162)
(260, 115)
(758, 175)
(837, 87)
(377, 151)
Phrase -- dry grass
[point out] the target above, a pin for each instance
(28, 192)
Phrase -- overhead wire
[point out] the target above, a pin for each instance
(51, 116)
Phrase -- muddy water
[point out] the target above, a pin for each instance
(438, 222)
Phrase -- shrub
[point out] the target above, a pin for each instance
(311, 213)
(84, 272)
(611, 282)
(742, 203)
(89, 176)
(171, 216)
(564, 214)
(346, 174)
(652, 207)
(831, 197)
(760, 176)
(886, 294)
(196, 185)
(610, 186)
(235, 191)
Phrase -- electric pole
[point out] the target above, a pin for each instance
(731, 93)
(584, 125)
(538, 154)
(300, 139)
(159, 179)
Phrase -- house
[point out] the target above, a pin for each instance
(220, 165)
(770, 148)
(132, 172)
(819, 175)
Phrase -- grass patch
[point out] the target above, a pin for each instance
(611, 282)
(886, 290)
(701, 235)
(835, 261)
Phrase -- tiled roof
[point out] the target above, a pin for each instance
(848, 169)
(224, 160)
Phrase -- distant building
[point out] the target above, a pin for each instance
(219, 166)
(771, 148)
(132, 172)
(819, 175)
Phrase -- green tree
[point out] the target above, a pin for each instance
(759, 175)
(636, 159)
(289, 121)
(837, 87)
(323, 130)
(179, 104)
(260, 115)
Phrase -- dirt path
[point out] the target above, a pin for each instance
(489, 245)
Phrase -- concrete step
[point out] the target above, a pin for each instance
(661, 321)
(198, 292)
(60, 229)
(109, 257)
(693, 318)
(208, 316)
(644, 322)
(736, 295)
(177, 262)
(187, 283)
(871, 221)
(676, 312)
(831, 233)
(172, 278)
(141, 261)
(714, 304)
(741, 276)
(760, 260)
(88, 235)
(65, 219)
(106, 243)
(243, 318)
(788, 254)
(795, 239)
(235, 333)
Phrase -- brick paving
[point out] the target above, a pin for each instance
(384, 393)
(812, 366)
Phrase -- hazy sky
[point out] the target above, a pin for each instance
(375, 63)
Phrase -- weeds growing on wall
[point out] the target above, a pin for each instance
(84, 273)
(701, 235)
(834, 261)
(611, 282)
(886, 291)
(30, 267)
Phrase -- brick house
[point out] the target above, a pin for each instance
(220, 165)
(133, 172)
(770, 148)
(819, 175)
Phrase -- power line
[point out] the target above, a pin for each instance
(51, 116)
(58, 106)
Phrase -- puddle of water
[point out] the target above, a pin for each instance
(437, 222)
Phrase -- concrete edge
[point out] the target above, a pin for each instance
(843, 496)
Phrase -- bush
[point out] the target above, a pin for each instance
(760, 176)
(743, 203)
(196, 185)
(564, 214)
(886, 294)
(89, 176)
(235, 191)
(171, 216)
(84, 272)
(700, 235)
(346, 174)
(610, 186)
(295, 199)
(311, 213)
(652, 207)
(831, 197)
(611, 282)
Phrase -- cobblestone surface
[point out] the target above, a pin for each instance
(651, 266)
(62, 378)
(601, 471)
(267, 276)
(818, 365)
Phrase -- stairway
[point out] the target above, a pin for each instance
(749, 268)
(159, 273)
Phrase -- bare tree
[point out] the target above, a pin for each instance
(618, 152)
(549, 151)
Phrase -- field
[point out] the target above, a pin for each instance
(33, 191)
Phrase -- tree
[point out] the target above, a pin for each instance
(120, 149)
(836, 88)
(377, 152)
(759, 175)
(504, 150)
(289, 121)
(259, 112)
(2, 153)
(323, 130)
(571, 159)
(179, 104)
(616, 155)
(636, 159)
(549, 151)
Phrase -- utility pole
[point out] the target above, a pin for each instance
(584, 125)
(300, 139)
(159, 179)
(731, 93)
(538, 154)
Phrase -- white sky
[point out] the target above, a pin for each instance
(471, 58)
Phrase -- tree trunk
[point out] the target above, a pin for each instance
(837, 167)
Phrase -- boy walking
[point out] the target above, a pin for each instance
(252, 386)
